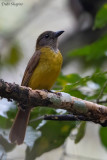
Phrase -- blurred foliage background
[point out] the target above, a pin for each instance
(84, 74)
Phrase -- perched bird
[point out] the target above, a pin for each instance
(41, 73)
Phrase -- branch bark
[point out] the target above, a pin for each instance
(27, 97)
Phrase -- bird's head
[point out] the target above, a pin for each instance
(48, 39)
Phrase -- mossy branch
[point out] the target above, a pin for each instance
(27, 97)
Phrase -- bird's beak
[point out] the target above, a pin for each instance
(58, 33)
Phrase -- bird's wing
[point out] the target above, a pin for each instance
(30, 68)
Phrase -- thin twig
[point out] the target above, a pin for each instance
(101, 92)
(102, 102)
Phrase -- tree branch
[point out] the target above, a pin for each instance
(66, 117)
(27, 97)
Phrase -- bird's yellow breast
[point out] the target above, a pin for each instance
(47, 70)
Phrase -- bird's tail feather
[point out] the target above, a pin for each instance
(18, 129)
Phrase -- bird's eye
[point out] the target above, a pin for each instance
(46, 36)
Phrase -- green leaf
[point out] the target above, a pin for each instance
(81, 132)
(70, 78)
(65, 79)
(5, 123)
(37, 112)
(73, 92)
(101, 17)
(97, 81)
(103, 136)
(5, 143)
(94, 53)
(53, 135)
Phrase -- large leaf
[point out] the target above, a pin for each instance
(81, 132)
(103, 136)
(101, 17)
(53, 135)
(93, 54)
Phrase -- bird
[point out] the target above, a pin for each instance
(41, 73)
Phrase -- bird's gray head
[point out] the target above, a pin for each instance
(48, 39)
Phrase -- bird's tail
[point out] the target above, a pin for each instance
(18, 129)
